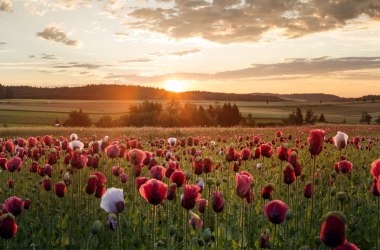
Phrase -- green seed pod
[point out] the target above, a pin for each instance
(96, 227)
(218, 182)
(210, 181)
(342, 196)
(189, 175)
(289, 215)
(333, 191)
(172, 230)
(201, 243)
(207, 235)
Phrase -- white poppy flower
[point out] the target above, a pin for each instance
(113, 201)
(76, 144)
(172, 141)
(340, 140)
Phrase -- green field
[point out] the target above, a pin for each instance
(21, 112)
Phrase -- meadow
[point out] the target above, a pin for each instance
(193, 188)
(20, 112)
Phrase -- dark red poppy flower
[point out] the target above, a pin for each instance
(91, 184)
(48, 170)
(46, 184)
(207, 165)
(243, 181)
(256, 139)
(124, 178)
(289, 174)
(217, 202)
(198, 165)
(34, 167)
(171, 192)
(172, 166)
(178, 177)
(203, 203)
(375, 168)
(333, 231)
(14, 164)
(190, 196)
(278, 134)
(275, 211)
(8, 226)
(308, 191)
(264, 241)
(13, 205)
(113, 151)
(100, 191)
(102, 179)
(256, 153)
(283, 153)
(154, 191)
(245, 154)
(336, 167)
(315, 141)
(345, 166)
(157, 172)
(266, 191)
(117, 171)
(48, 140)
(31, 142)
(230, 153)
(356, 140)
(11, 183)
(60, 189)
(266, 150)
(27, 204)
(140, 181)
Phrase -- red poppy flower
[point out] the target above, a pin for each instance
(190, 196)
(78, 160)
(8, 226)
(48, 170)
(178, 177)
(47, 140)
(154, 191)
(283, 153)
(116, 170)
(102, 179)
(289, 174)
(13, 205)
(46, 184)
(171, 192)
(275, 211)
(333, 229)
(91, 184)
(34, 167)
(198, 165)
(11, 183)
(133, 144)
(336, 167)
(245, 154)
(31, 142)
(308, 191)
(3, 160)
(27, 204)
(231, 152)
(124, 178)
(136, 156)
(278, 134)
(140, 181)
(172, 166)
(266, 192)
(112, 151)
(375, 168)
(243, 181)
(203, 203)
(14, 164)
(60, 189)
(345, 166)
(207, 165)
(266, 150)
(100, 191)
(256, 154)
(315, 141)
(217, 202)
(347, 246)
(157, 172)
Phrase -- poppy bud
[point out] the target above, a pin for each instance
(217, 202)
(124, 178)
(308, 191)
(96, 227)
(203, 203)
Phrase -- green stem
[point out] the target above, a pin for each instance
(312, 194)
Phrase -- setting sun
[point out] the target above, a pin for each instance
(175, 86)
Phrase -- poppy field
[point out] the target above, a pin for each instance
(273, 188)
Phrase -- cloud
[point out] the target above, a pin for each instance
(77, 65)
(3, 43)
(138, 60)
(5, 5)
(119, 33)
(48, 57)
(53, 33)
(177, 53)
(296, 68)
(227, 21)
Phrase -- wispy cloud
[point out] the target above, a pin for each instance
(53, 33)
(177, 53)
(138, 60)
(48, 57)
(291, 69)
(227, 21)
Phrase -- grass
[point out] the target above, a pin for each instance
(22, 112)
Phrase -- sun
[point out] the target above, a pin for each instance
(175, 85)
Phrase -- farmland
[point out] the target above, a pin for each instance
(20, 112)
(226, 214)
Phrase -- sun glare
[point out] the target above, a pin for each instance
(175, 86)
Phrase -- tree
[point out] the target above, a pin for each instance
(78, 119)
(366, 118)
(322, 118)
(310, 118)
(105, 122)
(8, 93)
(250, 122)
(378, 120)
(298, 117)
(2, 92)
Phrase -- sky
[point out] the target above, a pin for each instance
(239, 46)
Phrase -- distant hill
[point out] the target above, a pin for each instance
(123, 92)
(313, 97)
